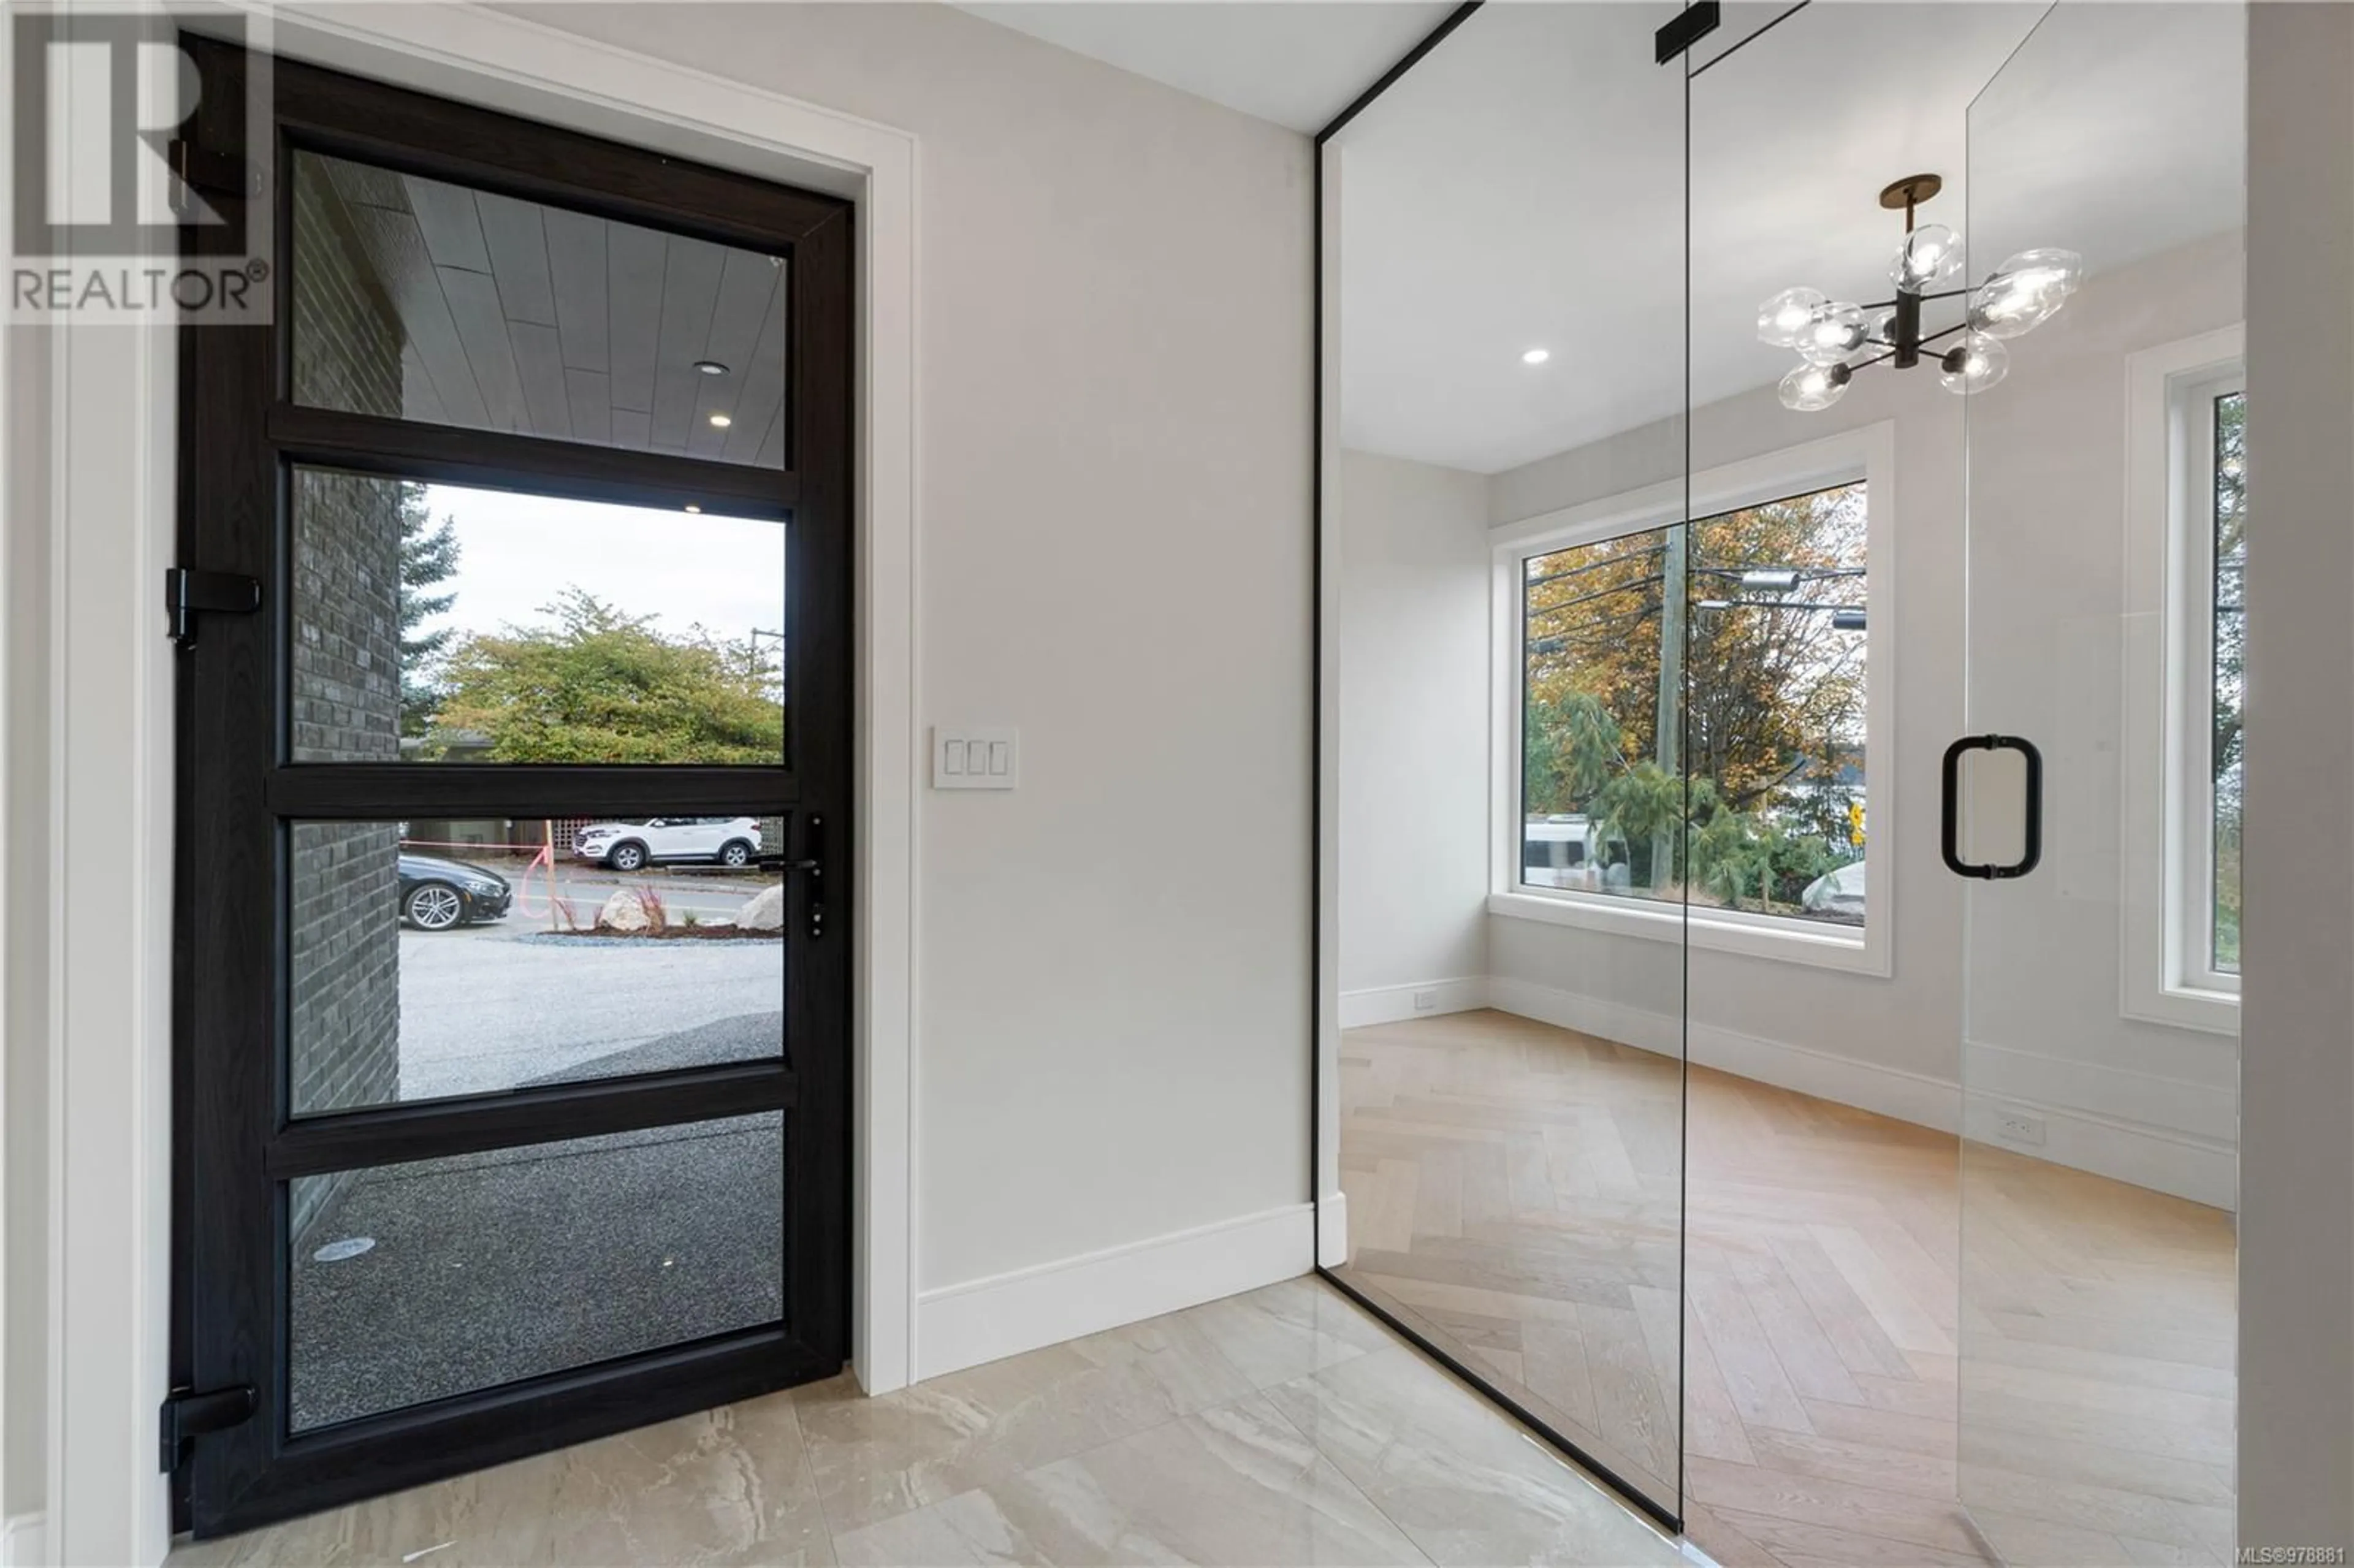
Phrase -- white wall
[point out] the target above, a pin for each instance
(1414, 657)
(1114, 460)
(2296, 1232)
(2042, 984)
(24, 1094)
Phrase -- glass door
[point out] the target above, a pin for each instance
(511, 1071)
(1508, 501)
(2093, 803)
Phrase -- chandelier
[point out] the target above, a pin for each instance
(1836, 338)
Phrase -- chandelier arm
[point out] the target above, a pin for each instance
(1868, 364)
(1948, 294)
(1957, 327)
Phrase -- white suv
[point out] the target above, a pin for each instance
(628, 846)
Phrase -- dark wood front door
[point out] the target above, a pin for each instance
(511, 1077)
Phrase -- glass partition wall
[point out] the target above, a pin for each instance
(1508, 501)
(2106, 537)
(1784, 525)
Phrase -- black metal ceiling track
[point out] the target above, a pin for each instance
(1667, 1519)
(1431, 40)
(1742, 43)
(1696, 22)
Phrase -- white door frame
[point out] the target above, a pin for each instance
(114, 527)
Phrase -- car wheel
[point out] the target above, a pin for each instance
(433, 906)
(735, 853)
(627, 857)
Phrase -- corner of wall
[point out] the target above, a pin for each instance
(24, 1542)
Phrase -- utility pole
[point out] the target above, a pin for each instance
(1673, 574)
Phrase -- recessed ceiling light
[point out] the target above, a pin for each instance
(720, 421)
(1536, 355)
(691, 506)
(711, 368)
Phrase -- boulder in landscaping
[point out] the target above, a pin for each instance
(765, 912)
(624, 911)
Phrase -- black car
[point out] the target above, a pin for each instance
(438, 895)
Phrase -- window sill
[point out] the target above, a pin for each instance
(2185, 1007)
(1753, 935)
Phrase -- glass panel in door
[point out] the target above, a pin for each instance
(489, 312)
(1509, 493)
(1820, 1215)
(2100, 1046)
(449, 623)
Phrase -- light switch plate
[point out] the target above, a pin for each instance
(976, 759)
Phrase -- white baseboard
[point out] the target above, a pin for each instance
(24, 1542)
(1898, 1091)
(2161, 1153)
(982, 1320)
(1890, 1091)
(2166, 1134)
(1396, 1003)
(1332, 1230)
(1637, 1026)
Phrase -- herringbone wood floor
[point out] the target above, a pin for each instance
(1513, 1192)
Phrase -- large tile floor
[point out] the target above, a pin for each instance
(1283, 1427)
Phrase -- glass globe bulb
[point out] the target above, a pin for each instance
(1880, 326)
(1974, 364)
(1811, 387)
(1835, 331)
(2025, 291)
(1781, 319)
(1930, 255)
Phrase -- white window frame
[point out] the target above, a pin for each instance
(2167, 903)
(1867, 452)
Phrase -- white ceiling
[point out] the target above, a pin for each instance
(1524, 186)
(1296, 64)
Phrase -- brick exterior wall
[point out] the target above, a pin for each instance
(344, 922)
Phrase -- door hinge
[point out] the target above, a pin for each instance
(188, 1414)
(203, 169)
(188, 590)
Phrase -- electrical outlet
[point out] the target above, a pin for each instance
(1425, 1000)
(2012, 1126)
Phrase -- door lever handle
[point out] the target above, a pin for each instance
(814, 840)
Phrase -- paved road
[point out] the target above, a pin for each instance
(709, 893)
(494, 1006)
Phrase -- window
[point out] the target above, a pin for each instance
(2222, 455)
(2187, 634)
(1690, 709)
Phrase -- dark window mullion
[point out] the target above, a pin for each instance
(357, 120)
(369, 792)
(540, 465)
(431, 1129)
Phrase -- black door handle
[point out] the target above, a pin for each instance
(1949, 805)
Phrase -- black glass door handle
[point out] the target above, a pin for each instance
(1949, 806)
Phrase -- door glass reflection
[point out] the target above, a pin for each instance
(442, 957)
(439, 623)
(418, 1281)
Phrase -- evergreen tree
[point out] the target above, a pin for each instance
(428, 556)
